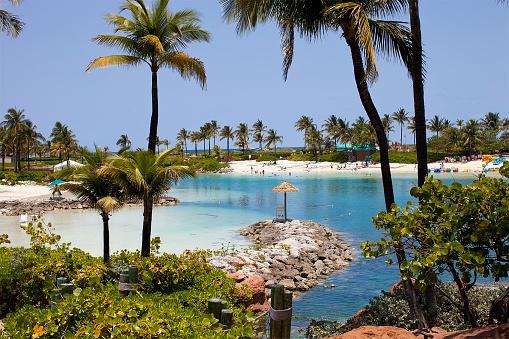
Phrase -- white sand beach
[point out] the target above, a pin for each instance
(21, 191)
(287, 166)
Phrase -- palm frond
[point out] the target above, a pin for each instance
(124, 43)
(114, 60)
(287, 45)
(108, 204)
(154, 42)
(187, 67)
(10, 24)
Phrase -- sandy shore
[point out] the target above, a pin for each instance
(28, 191)
(287, 166)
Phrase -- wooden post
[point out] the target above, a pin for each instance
(55, 297)
(133, 274)
(224, 304)
(285, 206)
(66, 288)
(276, 296)
(214, 307)
(124, 279)
(287, 324)
(227, 317)
(60, 281)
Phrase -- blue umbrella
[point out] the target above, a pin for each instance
(57, 182)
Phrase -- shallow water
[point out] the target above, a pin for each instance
(213, 207)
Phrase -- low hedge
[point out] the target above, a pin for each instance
(409, 157)
(37, 176)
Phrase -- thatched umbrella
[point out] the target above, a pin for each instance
(285, 187)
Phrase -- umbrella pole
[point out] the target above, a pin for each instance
(285, 206)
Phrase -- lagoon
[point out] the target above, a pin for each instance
(214, 206)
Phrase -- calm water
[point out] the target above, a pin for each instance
(213, 207)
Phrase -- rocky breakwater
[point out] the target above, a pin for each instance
(295, 254)
(36, 206)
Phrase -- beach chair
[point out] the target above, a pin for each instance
(280, 213)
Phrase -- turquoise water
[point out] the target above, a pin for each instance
(213, 207)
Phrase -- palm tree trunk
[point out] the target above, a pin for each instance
(15, 154)
(209, 147)
(196, 148)
(28, 146)
(147, 227)
(401, 134)
(155, 115)
(204, 147)
(3, 158)
(106, 237)
(228, 149)
(369, 107)
(275, 153)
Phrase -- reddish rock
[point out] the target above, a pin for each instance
(379, 332)
(353, 322)
(256, 284)
(399, 286)
(492, 331)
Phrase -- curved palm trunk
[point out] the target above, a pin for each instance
(401, 134)
(376, 122)
(228, 149)
(155, 115)
(106, 237)
(147, 227)
(196, 148)
(204, 148)
(3, 158)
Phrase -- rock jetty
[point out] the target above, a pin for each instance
(36, 206)
(295, 254)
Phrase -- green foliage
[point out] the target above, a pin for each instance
(204, 164)
(266, 157)
(325, 157)
(409, 157)
(4, 239)
(14, 177)
(389, 309)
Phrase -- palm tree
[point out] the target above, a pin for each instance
(258, 128)
(227, 133)
(242, 134)
(411, 127)
(96, 190)
(304, 124)
(214, 130)
(315, 139)
(203, 137)
(209, 133)
(364, 36)
(166, 143)
(333, 128)
(123, 142)
(459, 123)
(182, 136)
(32, 137)
(10, 24)
(154, 36)
(471, 133)
(436, 124)
(491, 121)
(387, 123)
(56, 135)
(195, 137)
(15, 123)
(401, 117)
(143, 175)
(65, 143)
(272, 139)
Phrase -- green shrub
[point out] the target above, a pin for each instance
(266, 157)
(333, 157)
(409, 157)
(205, 164)
(14, 177)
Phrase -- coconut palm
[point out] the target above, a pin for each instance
(242, 134)
(96, 190)
(227, 133)
(203, 136)
(304, 124)
(56, 135)
(411, 127)
(272, 139)
(258, 128)
(123, 142)
(195, 137)
(154, 36)
(214, 130)
(182, 136)
(10, 24)
(315, 139)
(400, 116)
(491, 121)
(387, 123)
(459, 123)
(65, 143)
(471, 133)
(14, 124)
(436, 124)
(32, 138)
(334, 127)
(143, 175)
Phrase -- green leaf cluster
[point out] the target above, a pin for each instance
(14, 177)
(409, 157)
(204, 164)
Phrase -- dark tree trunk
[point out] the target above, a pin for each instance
(28, 146)
(418, 87)
(3, 158)
(155, 116)
(209, 147)
(15, 155)
(228, 149)
(461, 288)
(275, 153)
(204, 148)
(147, 227)
(106, 237)
(376, 122)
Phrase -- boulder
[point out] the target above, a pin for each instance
(256, 284)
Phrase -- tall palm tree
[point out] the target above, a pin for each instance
(143, 175)
(195, 137)
(56, 135)
(227, 133)
(97, 190)
(471, 133)
(15, 123)
(400, 116)
(209, 133)
(32, 137)
(123, 142)
(10, 24)
(411, 127)
(304, 124)
(182, 136)
(332, 127)
(365, 37)
(315, 139)
(387, 124)
(436, 124)
(214, 130)
(491, 121)
(65, 143)
(459, 122)
(272, 139)
(258, 128)
(242, 134)
(154, 36)
(203, 137)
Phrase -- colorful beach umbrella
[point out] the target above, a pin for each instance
(285, 187)
(57, 182)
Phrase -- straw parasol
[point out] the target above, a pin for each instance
(285, 187)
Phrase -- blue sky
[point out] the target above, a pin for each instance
(42, 71)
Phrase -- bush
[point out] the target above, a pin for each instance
(14, 177)
(409, 157)
(205, 164)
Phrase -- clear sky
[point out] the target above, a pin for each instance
(42, 72)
